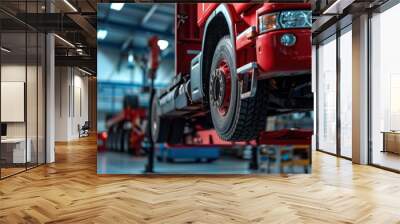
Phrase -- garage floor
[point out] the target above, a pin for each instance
(70, 191)
(122, 163)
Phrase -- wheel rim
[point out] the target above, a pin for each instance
(220, 87)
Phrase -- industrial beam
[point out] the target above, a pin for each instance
(84, 24)
(129, 29)
(127, 43)
(47, 22)
(74, 14)
(65, 6)
(166, 54)
(15, 18)
(78, 61)
(117, 46)
(149, 14)
(108, 44)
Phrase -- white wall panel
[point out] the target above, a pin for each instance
(12, 101)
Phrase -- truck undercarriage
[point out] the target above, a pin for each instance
(231, 83)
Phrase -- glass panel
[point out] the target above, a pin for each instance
(14, 146)
(32, 84)
(41, 89)
(385, 84)
(41, 99)
(13, 86)
(32, 96)
(22, 82)
(327, 96)
(346, 94)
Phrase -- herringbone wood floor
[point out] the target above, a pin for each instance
(69, 191)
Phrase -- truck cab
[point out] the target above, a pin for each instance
(236, 64)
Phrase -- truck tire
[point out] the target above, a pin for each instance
(118, 141)
(234, 119)
(112, 141)
(109, 141)
(126, 143)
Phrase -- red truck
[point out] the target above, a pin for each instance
(236, 64)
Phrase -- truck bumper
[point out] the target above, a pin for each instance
(274, 59)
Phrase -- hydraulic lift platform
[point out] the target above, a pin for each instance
(209, 139)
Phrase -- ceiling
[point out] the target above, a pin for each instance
(130, 28)
(72, 20)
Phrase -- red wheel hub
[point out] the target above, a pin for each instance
(220, 87)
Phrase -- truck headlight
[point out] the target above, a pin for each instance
(285, 20)
(295, 19)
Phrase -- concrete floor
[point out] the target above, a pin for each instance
(122, 163)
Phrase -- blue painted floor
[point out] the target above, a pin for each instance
(122, 163)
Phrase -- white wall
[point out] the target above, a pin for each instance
(70, 83)
(61, 103)
(11, 73)
(79, 117)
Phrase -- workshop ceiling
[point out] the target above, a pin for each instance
(131, 27)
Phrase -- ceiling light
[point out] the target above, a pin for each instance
(102, 34)
(79, 51)
(5, 50)
(117, 6)
(130, 58)
(65, 41)
(163, 44)
(70, 5)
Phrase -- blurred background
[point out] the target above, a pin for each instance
(123, 32)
